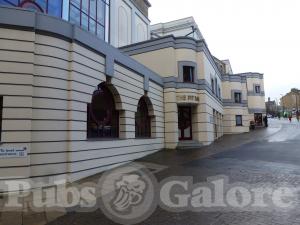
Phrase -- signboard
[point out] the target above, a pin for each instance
(13, 152)
(188, 98)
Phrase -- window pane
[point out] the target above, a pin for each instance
(257, 89)
(74, 15)
(101, 12)
(38, 6)
(84, 21)
(188, 74)
(107, 23)
(9, 2)
(42, 4)
(100, 31)
(85, 6)
(92, 26)
(93, 9)
(237, 97)
(239, 120)
(102, 118)
(55, 7)
(142, 120)
(75, 3)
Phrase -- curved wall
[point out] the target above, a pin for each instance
(48, 72)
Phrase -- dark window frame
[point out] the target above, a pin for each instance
(216, 86)
(142, 120)
(257, 89)
(237, 99)
(237, 121)
(102, 122)
(187, 64)
(99, 25)
(190, 77)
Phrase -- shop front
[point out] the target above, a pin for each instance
(258, 118)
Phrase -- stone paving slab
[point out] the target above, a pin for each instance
(240, 157)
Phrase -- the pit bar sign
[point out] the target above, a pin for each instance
(188, 98)
(13, 152)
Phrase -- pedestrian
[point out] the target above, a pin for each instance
(266, 121)
(298, 116)
(290, 118)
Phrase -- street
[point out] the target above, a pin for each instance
(264, 156)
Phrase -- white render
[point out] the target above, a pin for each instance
(178, 28)
(128, 25)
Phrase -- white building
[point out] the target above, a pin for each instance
(186, 27)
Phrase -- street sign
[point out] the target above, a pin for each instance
(13, 152)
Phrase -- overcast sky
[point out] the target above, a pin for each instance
(255, 35)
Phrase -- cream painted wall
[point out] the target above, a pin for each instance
(230, 120)
(46, 90)
(256, 101)
(162, 61)
(228, 87)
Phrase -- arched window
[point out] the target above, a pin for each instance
(142, 120)
(103, 118)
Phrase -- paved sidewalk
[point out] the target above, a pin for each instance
(176, 163)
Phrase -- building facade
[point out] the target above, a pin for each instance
(72, 105)
(192, 87)
(291, 101)
(179, 44)
(271, 107)
(244, 101)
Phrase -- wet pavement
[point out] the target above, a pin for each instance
(269, 155)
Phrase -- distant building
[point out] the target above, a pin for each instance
(291, 101)
(271, 107)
